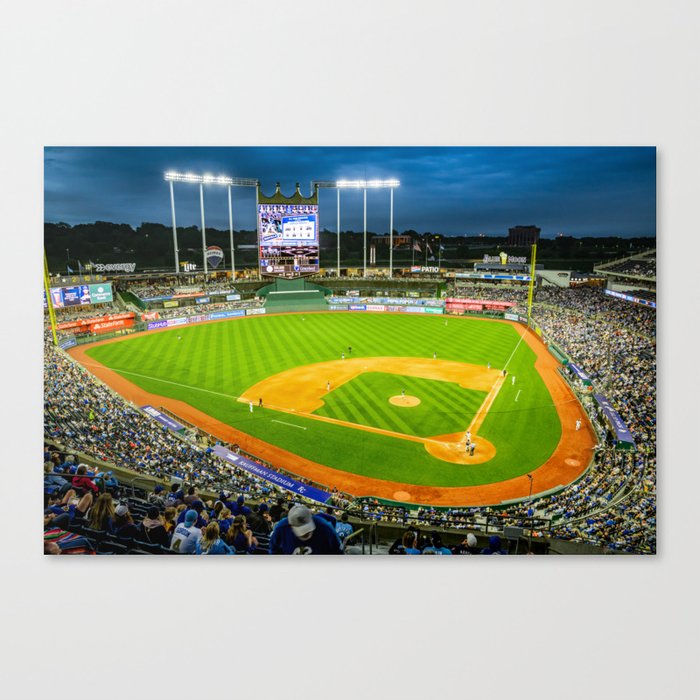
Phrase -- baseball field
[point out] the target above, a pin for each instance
(375, 404)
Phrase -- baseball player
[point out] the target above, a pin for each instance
(250, 406)
(512, 379)
(578, 424)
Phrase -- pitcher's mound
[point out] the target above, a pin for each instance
(406, 401)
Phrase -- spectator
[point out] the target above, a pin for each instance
(124, 523)
(186, 535)
(81, 483)
(278, 511)
(240, 536)
(102, 514)
(436, 546)
(343, 529)
(301, 532)
(169, 517)
(494, 546)
(211, 542)
(153, 528)
(469, 545)
(260, 520)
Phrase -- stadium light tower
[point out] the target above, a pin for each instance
(202, 180)
(364, 185)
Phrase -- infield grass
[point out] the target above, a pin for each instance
(215, 363)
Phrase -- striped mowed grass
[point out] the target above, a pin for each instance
(215, 363)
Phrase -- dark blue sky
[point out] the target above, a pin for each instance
(451, 190)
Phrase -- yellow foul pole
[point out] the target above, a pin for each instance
(531, 287)
(49, 303)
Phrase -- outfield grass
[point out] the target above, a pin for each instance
(215, 363)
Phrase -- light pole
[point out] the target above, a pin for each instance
(529, 498)
(230, 229)
(202, 180)
(362, 185)
(391, 232)
(364, 237)
(172, 212)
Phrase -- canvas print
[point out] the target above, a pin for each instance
(252, 351)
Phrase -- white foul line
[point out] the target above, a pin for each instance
(291, 424)
(514, 349)
(518, 394)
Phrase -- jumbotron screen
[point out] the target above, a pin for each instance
(288, 239)
(80, 295)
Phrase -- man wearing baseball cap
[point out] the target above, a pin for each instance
(302, 532)
(186, 534)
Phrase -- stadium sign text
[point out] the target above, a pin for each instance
(504, 258)
(425, 269)
(115, 267)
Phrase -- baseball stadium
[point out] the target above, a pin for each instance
(370, 404)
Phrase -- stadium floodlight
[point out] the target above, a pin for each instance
(364, 185)
(368, 184)
(172, 176)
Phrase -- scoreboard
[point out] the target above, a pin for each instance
(288, 239)
(80, 295)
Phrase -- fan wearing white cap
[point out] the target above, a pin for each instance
(302, 532)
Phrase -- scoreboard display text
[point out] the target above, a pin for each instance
(288, 239)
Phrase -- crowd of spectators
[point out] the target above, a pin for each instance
(181, 520)
(639, 268)
(614, 342)
(488, 292)
(146, 291)
(200, 309)
(73, 313)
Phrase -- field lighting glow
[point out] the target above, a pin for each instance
(367, 184)
(206, 179)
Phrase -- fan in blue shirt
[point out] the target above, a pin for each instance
(301, 532)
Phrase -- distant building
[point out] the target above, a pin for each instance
(523, 235)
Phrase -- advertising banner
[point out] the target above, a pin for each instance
(357, 307)
(254, 312)
(167, 421)
(197, 319)
(203, 300)
(422, 309)
(629, 297)
(170, 304)
(227, 314)
(150, 316)
(106, 326)
(67, 343)
(511, 317)
(157, 324)
(176, 321)
(375, 307)
(273, 477)
(338, 307)
(621, 431)
(79, 323)
(100, 293)
(214, 256)
(233, 297)
(580, 374)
